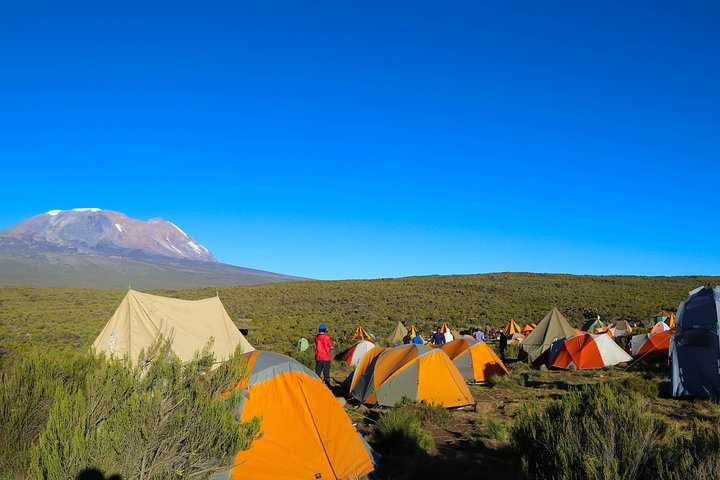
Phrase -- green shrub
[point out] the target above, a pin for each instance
(596, 432)
(496, 430)
(697, 457)
(400, 432)
(162, 420)
(482, 429)
(27, 396)
(433, 415)
(512, 350)
(647, 387)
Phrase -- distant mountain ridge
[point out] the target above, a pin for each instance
(91, 247)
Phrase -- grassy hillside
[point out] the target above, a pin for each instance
(286, 311)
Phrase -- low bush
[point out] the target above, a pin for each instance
(161, 420)
(696, 457)
(596, 432)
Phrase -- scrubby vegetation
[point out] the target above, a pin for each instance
(64, 411)
(595, 432)
(287, 311)
(61, 408)
(601, 431)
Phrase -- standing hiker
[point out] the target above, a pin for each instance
(503, 345)
(323, 345)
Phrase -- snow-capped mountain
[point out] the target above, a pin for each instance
(105, 232)
(94, 248)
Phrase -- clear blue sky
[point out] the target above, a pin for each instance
(376, 139)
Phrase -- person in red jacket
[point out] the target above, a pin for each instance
(323, 345)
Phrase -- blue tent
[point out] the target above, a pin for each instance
(695, 348)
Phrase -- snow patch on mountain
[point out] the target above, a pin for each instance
(195, 246)
(178, 229)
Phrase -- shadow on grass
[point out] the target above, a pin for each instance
(95, 474)
(458, 460)
(557, 384)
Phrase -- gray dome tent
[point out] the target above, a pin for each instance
(695, 348)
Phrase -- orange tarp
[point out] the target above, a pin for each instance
(305, 431)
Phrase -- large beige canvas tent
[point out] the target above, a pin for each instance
(141, 318)
(552, 327)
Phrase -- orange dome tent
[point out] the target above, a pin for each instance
(606, 330)
(417, 372)
(475, 360)
(511, 328)
(587, 351)
(649, 346)
(305, 433)
(660, 327)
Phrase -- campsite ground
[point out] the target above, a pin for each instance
(40, 322)
(478, 441)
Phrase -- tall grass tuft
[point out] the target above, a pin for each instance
(432, 415)
(400, 432)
